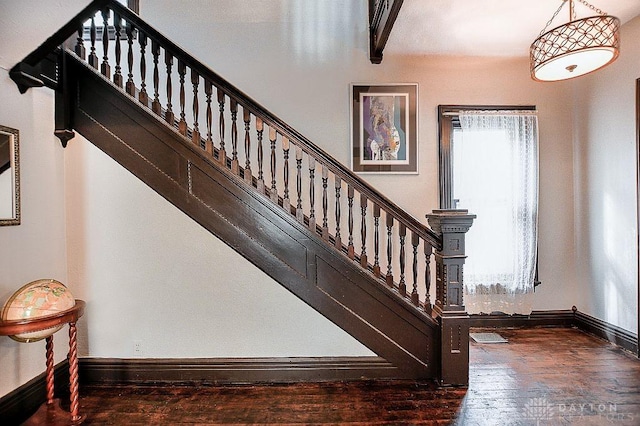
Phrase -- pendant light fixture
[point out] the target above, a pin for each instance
(575, 48)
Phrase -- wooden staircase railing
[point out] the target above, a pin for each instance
(247, 141)
(261, 149)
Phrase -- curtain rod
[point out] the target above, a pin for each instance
(491, 112)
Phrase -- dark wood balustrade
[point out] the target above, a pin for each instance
(291, 155)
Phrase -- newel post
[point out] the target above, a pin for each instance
(449, 305)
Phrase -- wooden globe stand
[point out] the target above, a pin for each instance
(50, 412)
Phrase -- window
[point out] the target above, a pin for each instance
(489, 165)
(134, 5)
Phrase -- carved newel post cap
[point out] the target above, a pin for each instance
(450, 220)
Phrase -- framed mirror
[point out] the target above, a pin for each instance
(9, 176)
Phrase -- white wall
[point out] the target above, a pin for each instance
(36, 248)
(605, 163)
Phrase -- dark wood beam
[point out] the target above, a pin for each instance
(382, 16)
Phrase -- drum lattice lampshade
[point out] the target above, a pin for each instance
(575, 48)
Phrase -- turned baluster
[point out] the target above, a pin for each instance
(79, 48)
(427, 276)
(169, 117)
(222, 154)
(338, 186)
(350, 249)
(93, 58)
(415, 241)
(286, 202)
(208, 91)
(299, 212)
(155, 105)
(233, 107)
(117, 76)
(312, 194)
(130, 86)
(259, 130)
(247, 145)
(143, 97)
(402, 285)
(195, 134)
(389, 276)
(274, 191)
(182, 71)
(105, 69)
(325, 204)
(376, 240)
(363, 230)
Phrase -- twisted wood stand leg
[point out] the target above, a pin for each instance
(73, 371)
(50, 413)
(50, 381)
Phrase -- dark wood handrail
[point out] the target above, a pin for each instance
(53, 42)
(241, 98)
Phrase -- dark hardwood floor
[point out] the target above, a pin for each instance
(543, 376)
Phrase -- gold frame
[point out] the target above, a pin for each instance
(15, 167)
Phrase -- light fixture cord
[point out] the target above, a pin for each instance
(592, 7)
(572, 12)
(552, 18)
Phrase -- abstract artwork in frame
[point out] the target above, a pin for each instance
(384, 128)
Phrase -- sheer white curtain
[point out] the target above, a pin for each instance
(495, 176)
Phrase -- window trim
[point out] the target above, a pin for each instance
(447, 115)
(446, 122)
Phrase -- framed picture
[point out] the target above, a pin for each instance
(384, 128)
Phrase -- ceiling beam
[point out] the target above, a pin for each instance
(382, 16)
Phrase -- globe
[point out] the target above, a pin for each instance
(35, 300)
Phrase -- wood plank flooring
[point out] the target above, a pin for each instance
(543, 376)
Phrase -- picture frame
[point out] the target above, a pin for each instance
(9, 176)
(384, 128)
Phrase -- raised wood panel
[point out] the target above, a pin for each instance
(146, 140)
(379, 290)
(282, 245)
(380, 316)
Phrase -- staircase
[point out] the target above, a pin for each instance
(264, 189)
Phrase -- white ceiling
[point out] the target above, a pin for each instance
(486, 27)
(423, 27)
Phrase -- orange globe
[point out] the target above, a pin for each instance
(34, 300)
